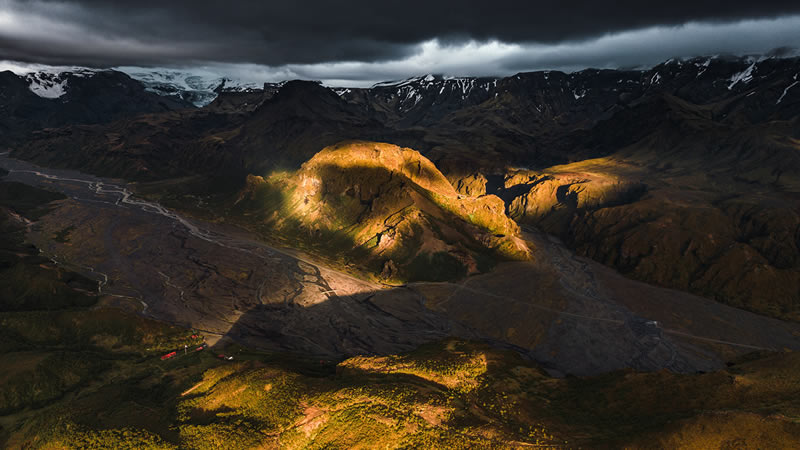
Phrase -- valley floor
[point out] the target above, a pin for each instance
(570, 314)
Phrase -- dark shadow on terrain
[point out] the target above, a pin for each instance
(741, 251)
(509, 194)
(46, 341)
(29, 281)
(368, 323)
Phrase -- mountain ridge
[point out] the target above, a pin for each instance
(707, 130)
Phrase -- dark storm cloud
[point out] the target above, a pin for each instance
(102, 32)
(649, 46)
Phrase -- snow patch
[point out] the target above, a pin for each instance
(787, 89)
(744, 76)
(47, 88)
(412, 90)
(400, 83)
(655, 79)
(52, 83)
(702, 66)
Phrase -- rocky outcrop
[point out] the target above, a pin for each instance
(553, 197)
(473, 185)
(389, 206)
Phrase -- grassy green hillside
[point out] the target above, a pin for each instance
(453, 394)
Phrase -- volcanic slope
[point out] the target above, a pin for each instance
(388, 205)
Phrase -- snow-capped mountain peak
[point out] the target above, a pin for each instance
(53, 84)
(412, 89)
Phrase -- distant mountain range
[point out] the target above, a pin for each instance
(47, 99)
(534, 119)
(201, 88)
(404, 97)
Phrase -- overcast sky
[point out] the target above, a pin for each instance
(360, 42)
